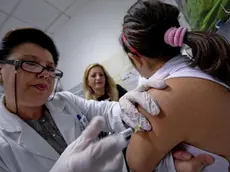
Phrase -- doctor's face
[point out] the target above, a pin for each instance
(32, 89)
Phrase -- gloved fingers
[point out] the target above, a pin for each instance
(158, 84)
(94, 128)
(114, 165)
(90, 133)
(136, 119)
(149, 103)
(106, 149)
(130, 121)
(128, 110)
(144, 99)
(131, 116)
(97, 154)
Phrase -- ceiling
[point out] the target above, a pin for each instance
(48, 15)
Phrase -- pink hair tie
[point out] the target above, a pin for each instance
(175, 36)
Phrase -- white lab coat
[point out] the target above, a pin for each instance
(22, 149)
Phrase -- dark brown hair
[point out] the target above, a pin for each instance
(146, 23)
(17, 37)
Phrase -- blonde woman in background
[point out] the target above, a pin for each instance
(99, 85)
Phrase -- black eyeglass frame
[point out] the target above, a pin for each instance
(19, 63)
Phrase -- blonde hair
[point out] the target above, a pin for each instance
(110, 85)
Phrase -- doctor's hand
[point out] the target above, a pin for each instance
(130, 115)
(186, 162)
(84, 155)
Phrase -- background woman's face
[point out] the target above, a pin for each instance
(32, 89)
(96, 78)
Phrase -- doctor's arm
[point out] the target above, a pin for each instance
(111, 111)
(115, 114)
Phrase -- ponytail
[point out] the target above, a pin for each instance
(211, 52)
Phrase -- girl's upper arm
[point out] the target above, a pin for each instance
(146, 149)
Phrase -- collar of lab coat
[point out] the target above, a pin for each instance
(15, 121)
(28, 138)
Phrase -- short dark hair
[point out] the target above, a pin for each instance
(27, 35)
(147, 21)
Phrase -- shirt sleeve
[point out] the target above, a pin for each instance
(3, 167)
(166, 163)
(91, 108)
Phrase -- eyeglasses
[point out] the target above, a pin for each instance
(33, 67)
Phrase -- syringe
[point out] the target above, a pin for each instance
(129, 131)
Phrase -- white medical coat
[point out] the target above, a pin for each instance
(22, 149)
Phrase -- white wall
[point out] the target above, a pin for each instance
(91, 36)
